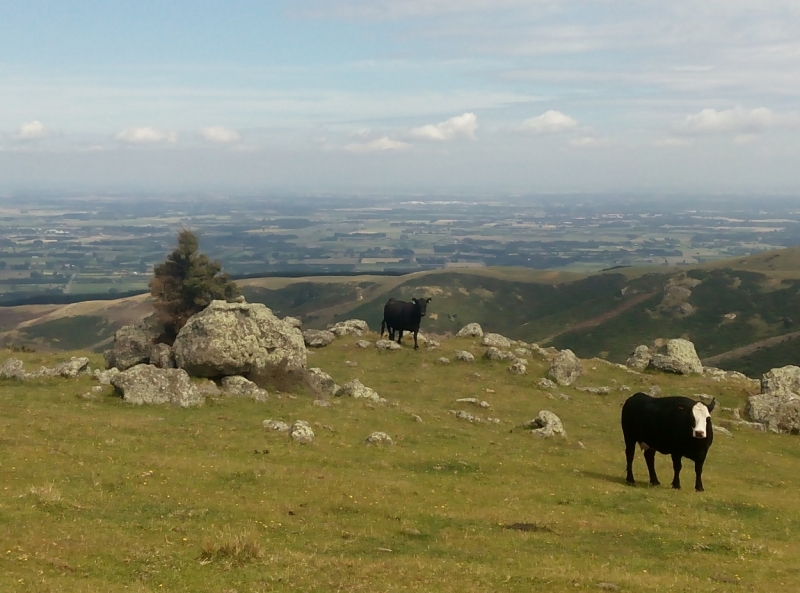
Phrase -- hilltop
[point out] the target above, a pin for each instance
(740, 313)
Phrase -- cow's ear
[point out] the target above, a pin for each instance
(414, 301)
(428, 299)
(712, 405)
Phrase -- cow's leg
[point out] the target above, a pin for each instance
(676, 465)
(630, 452)
(698, 474)
(650, 458)
(399, 336)
(416, 346)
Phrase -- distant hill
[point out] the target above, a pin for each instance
(742, 314)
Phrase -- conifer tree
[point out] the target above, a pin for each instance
(186, 283)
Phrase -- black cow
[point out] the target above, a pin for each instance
(400, 316)
(676, 426)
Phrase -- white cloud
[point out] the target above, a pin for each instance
(220, 134)
(460, 126)
(550, 122)
(736, 121)
(672, 143)
(590, 142)
(31, 130)
(146, 135)
(379, 145)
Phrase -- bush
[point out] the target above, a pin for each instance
(186, 283)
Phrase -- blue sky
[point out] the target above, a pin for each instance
(433, 96)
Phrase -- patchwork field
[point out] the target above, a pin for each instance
(100, 496)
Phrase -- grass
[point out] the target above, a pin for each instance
(103, 496)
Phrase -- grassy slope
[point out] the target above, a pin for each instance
(102, 496)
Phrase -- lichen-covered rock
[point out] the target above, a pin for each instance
(473, 400)
(495, 340)
(546, 425)
(777, 411)
(146, 384)
(522, 352)
(518, 368)
(104, 377)
(595, 390)
(462, 415)
(363, 344)
(783, 379)
(494, 353)
(275, 426)
(680, 358)
(13, 368)
(640, 358)
(464, 356)
(378, 438)
(357, 390)
(546, 383)
(161, 356)
(132, 344)
(293, 321)
(238, 386)
(240, 339)
(387, 345)
(208, 388)
(565, 368)
(443, 360)
(301, 432)
(471, 330)
(351, 327)
(317, 338)
(69, 369)
(320, 382)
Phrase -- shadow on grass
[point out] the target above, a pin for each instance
(605, 477)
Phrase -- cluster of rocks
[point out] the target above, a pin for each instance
(302, 432)
(13, 368)
(675, 356)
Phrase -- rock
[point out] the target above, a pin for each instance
(132, 344)
(13, 368)
(522, 352)
(322, 403)
(640, 358)
(275, 425)
(473, 400)
(464, 356)
(493, 353)
(387, 345)
(546, 383)
(685, 309)
(546, 425)
(363, 343)
(238, 386)
(146, 384)
(351, 327)
(104, 377)
(518, 368)
(781, 380)
(433, 344)
(777, 411)
(723, 430)
(71, 368)
(565, 368)
(351, 363)
(471, 330)
(241, 339)
(161, 356)
(595, 390)
(301, 432)
(654, 391)
(680, 358)
(358, 390)
(462, 415)
(443, 360)
(293, 321)
(317, 338)
(320, 382)
(379, 438)
(623, 388)
(208, 388)
(495, 340)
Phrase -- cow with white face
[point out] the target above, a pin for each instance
(676, 426)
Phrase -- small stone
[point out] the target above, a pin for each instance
(379, 438)
(387, 345)
(275, 425)
(464, 356)
(444, 360)
(363, 343)
(301, 432)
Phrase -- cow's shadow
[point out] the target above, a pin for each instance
(605, 477)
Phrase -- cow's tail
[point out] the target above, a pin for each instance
(383, 326)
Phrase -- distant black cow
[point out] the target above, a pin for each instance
(676, 426)
(400, 316)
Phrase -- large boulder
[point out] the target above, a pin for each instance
(146, 384)
(565, 368)
(241, 339)
(639, 359)
(680, 358)
(781, 380)
(133, 344)
(778, 412)
(317, 338)
(471, 330)
(13, 368)
(351, 327)
(161, 356)
(495, 340)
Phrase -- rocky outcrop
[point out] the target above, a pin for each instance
(783, 379)
(317, 338)
(351, 327)
(680, 358)
(13, 368)
(241, 339)
(639, 359)
(495, 340)
(133, 343)
(161, 356)
(238, 386)
(565, 368)
(320, 382)
(146, 384)
(293, 321)
(471, 330)
(777, 408)
(546, 425)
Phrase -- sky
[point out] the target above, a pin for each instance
(401, 96)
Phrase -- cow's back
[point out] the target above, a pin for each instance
(663, 424)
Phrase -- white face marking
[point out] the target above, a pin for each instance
(700, 413)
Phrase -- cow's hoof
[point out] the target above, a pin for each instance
(701, 489)
(630, 482)
(656, 483)
(676, 486)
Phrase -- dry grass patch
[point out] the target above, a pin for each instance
(232, 548)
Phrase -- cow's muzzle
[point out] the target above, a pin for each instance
(699, 434)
